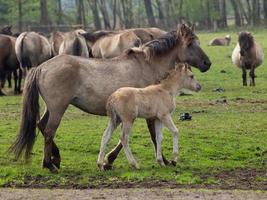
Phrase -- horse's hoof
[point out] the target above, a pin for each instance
(2, 93)
(53, 169)
(107, 166)
(166, 162)
(161, 163)
(56, 161)
(135, 166)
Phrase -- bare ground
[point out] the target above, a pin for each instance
(130, 193)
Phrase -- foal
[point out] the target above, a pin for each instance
(155, 101)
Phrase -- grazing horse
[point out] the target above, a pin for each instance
(92, 82)
(9, 63)
(247, 55)
(56, 40)
(154, 101)
(220, 41)
(32, 49)
(74, 44)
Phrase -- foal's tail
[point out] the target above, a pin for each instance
(111, 112)
(29, 116)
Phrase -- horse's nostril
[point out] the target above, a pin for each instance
(207, 63)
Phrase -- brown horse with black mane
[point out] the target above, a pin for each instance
(247, 55)
(92, 82)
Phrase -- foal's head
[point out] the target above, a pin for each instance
(189, 50)
(187, 79)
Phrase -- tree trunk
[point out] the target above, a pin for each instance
(223, 14)
(127, 13)
(59, 12)
(237, 13)
(149, 12)
(264, 2)
(45, 20)
(161, 15)
(80, 11)
(97, 22)
(114, 10)
(20, 15)
(104, 12)
(255, 12)
(208, 15)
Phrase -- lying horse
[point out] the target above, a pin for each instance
(154, 101)
(220, 41)
(32, 49)
(247, 55)
(74, 44)
(9, 63)
(92, 82)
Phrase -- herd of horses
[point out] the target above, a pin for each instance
(87, 70)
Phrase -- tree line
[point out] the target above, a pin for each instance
(119, 14)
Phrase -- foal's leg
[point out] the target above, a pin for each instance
(244, 76)
(159, 138)
(56, 159)
(105, 139)
(126, 129)
(252, 77)
(167, 121)
(151, 128)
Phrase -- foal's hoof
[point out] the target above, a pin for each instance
(56, 161)
(51, 166)
(107, 166)
(161, 163)
(173, 163)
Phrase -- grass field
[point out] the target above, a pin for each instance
(224, 146)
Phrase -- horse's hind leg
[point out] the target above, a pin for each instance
(56, 159)
(244, 76)
(252, 77)
(19, 83)
(9, 77)
(15, 74)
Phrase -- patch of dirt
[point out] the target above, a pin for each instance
(248, 179)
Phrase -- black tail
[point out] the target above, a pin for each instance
(25, 60)
(29, 116)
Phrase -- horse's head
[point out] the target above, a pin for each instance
(245, 40)
(189, 49)
(6, 30)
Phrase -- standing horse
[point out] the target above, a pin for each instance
(32, 49)
(154, 101)
(74, 44)
(247, 55)
(56, 40)
(92, 82)
(9, 63)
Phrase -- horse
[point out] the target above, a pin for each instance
(220, 41)
(32, 49)
(92, 82)
(247, 55)
(74, 44)
(56, 38)
(9, 63)
(154, 101)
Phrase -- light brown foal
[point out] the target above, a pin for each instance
(155, 101)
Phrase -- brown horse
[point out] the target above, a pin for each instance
(32, 49)
(74, 44)
(9, 63)
(154, 101)
(247, 55)
(92, 82)
(6, 30)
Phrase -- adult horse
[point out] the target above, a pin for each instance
(9, 63)
(32, 49)
(56, 40)
(92, 81)
(247, 55)
(74, 44)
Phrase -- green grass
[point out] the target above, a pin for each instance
(221, 137)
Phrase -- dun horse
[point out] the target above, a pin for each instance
(154, 101)
(221, 41)
(56, 40)
(74, 44)
(247, 55)
(32, 49)
(92, 82)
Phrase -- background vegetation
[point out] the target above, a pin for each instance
(118, 14)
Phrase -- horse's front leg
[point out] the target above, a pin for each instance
(252, 77)
(244, 76)
(151, 128)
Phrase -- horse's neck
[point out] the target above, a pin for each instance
(164, 63)
(172, 84)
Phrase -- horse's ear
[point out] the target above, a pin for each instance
(87, 36)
